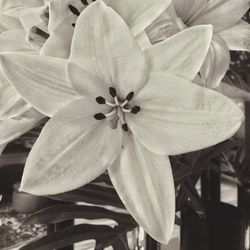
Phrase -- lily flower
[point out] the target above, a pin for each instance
(126, 111)
(16, 116)
(63, 15)
(230, 31)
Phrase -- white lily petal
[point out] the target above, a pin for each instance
(186, 59)
(14, 41)
(104, 46)
(2, 147)
(216, 63)
(85, 83)
(138, 14)
(12, 128)
(143, 40)
(34, 18)
(189, 10)
(144, 182)
(19, 8)
(164, 26)
(11, 103)
(222, 14)
(234, 93)
(8, 22)
(41, 81)
(177, 116)
(59, 42)
(237, 37)
(72, 150)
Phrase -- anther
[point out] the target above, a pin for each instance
(74, 10)
(41, 33)
(125, 127)
(135, 109)
(84, 2)
(73, 24)
(130, 96)
(100, 100)
(99, 116)
(112, 91)
(111, 113)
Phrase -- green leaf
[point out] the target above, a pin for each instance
(194, 198)
(72, 235)
(59, 213)
(119, 242)
(91, 195)
(13, 159)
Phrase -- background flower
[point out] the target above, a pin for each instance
(230, 31)
(16, 116)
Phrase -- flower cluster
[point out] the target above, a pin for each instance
(120, 81)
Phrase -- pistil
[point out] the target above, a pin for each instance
(119, 108)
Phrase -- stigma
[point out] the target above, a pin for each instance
(118, 108)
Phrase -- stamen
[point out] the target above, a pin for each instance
(135, 109)
(124, 103)
(41, 33)
(130, 96)
(116, 101)
(99, 116)
(126, 110)
(112, 91)
(74, 10)
(84, 2)
(110, 104)
(125, 127)
(111, 113)
(100, 100)
(121, 116)
(73, 24)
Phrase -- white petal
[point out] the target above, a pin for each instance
(237, 37)
(41, 81)
(216, 63)
(72, 150)
(143, 40)
(177, 116)
(222, 14)
(140, 13)
(86, 84)
(11, 103)
(34, 18)
(183, 53)
(59, 42)
(145, 184)
(19, 7)
(14, 41)
(12, 128)
(8, 22)
(103, 45)
(189, 10)
(164, 26)
(236, 94)
(59, 11)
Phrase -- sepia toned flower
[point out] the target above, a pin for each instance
(115, 107)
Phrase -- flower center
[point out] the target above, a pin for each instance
(118, 108)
